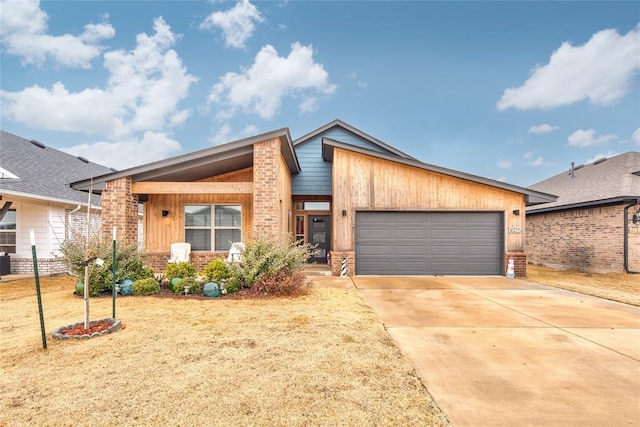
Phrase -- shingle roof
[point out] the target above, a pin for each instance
(43, 172)
(602, 182)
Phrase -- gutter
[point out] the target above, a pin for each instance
(626, 236)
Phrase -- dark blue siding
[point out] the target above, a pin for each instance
(315, 177)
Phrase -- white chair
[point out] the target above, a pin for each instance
(236, 251)
(180, 252)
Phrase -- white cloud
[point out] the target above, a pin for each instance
(237, 24)
(586, 138)
(360, 83)
(635, 137)
(224, 134)
(601, 71)
(139, 102)
(127, 152)
(504, 164)
(261, 88)
(607, 155)
(532, 160)
(543, 128)
(24, 34)
(539, 161)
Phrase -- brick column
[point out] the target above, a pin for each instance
(519, 263)
(119, 208)
(266, 191)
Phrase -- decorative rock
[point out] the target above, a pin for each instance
(211, 289)
(126, 287)
(59, 332)
(80, 288)
(174, 282)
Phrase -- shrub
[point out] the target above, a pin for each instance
(195, 287)
(281, 283)
(216, 270)
(179, 269)
(263, 259)
(148, 286)
(130, 262)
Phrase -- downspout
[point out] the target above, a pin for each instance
(626, 236)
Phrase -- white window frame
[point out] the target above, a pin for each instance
(213, 227)
(14, 231)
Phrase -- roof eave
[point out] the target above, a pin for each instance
(361, 134)
(230, 149)
(45, 198)
(532, 196)
(582, 205)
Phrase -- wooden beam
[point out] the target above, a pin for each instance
(5, 209)
(192, 188)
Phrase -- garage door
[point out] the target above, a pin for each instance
(415, 243)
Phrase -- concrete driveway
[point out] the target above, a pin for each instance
(505, 352)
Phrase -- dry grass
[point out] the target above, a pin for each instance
(318, 360)
(619, 287)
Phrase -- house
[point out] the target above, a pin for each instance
(591, 226)
(337, 188)
(35, 195)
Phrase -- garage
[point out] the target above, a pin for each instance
(429, 243)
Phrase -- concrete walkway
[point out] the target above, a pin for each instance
(505, 352)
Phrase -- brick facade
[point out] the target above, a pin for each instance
(336, 262)
(157, 261)
(46, 266)
(519, 263)
(119, 209)
(266, 190)
(589, 240)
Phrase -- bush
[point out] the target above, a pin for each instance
(216, 270)
(148, 286)
(130, 263)
(179, 269)
(282, 283)
(195, 287)
(263, 259)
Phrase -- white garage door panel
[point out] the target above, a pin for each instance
(415, 243)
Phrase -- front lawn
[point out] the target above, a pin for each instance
(319, 359)
(619, 287)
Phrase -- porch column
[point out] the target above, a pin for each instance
(266, 190)
(120, 209)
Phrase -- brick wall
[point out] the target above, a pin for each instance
(266, 190)
(46, 266)
(519, 263)
(157, 261)
(120, 209)
(583, 239)
(336, 262)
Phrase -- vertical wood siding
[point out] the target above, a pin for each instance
(365, 183)
(161, 232)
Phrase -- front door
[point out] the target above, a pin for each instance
(320, 237)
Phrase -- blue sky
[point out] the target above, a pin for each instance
(513, 91)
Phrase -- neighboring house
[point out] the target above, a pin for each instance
(336, 188)
(35, 195)
(591, 226)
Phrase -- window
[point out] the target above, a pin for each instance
(312, 206)
(8, 232)
(201, 231)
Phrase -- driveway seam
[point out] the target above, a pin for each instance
(552, 325)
